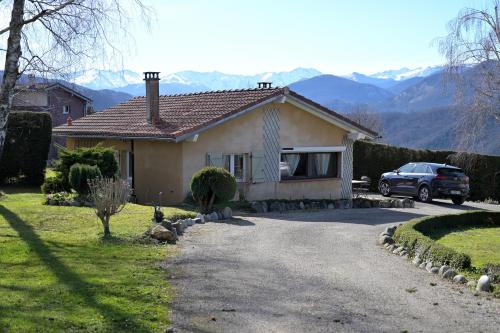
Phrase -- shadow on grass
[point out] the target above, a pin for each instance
(117, 320)
(14, 189)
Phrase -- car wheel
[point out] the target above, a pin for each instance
(424, 194)
(458, 200)
(385, 189)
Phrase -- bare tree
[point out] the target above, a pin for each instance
(51, 37)
(371, 120)
(109, 196)
(474, 39)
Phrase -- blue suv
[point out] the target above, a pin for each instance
(425, 181)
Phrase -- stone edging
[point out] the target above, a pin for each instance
(266, 206)
(444, 271)
(169, 231)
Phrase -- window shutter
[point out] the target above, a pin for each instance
(258, 167)
(215, 160)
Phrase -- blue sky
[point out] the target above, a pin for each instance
(247, 37)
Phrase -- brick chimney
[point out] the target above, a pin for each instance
(152, 97)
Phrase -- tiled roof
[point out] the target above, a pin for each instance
(179, 114)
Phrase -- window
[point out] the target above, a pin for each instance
(407, 168)
(236, 165)
(309, 165)
(421, 168)
(66, 109)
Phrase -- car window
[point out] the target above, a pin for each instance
(420, 168)
(407, 168)
(451, 172)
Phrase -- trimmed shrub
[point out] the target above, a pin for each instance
(26, 147)
(54, 185)
(80, 174)
(414, 236)
(373, 159)
(103, 158)
(212, 185)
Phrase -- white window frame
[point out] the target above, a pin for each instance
(231, 166)
(66, 109)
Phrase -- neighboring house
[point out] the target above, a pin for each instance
(57, 99)
(276, 143)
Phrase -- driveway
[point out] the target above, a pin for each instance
(316, 272)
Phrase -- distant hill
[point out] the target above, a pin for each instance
(434, 129)
(339, 93)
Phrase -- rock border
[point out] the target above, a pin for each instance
(444, 271)
(169, 231)
(266, 206)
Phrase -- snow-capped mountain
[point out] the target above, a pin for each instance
(407, 73)
(104, 79)
(129, 81)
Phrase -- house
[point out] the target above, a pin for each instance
(55, 98)
(277, 143)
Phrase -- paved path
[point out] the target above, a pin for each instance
(316, 272)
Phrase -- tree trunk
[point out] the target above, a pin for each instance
(105, 223)
(11, 68)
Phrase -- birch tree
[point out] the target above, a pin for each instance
(51, 37)
(474, 39)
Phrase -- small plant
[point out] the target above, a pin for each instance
(109, 196)
(212, 185)
(59, 198)
(80, 175)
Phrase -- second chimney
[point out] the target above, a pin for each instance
(152, 97)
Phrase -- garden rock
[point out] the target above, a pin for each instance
(434, 270)
(471, 284)
(390, 230)
(214, 216)
(484, 283)
(227, 213)
(178, 227)
(161, 233)
(199, 220)
(201, 217)
(398, 250)
(422, 265)
(385, 240)
(459, 279)
(391, 248)
(417, 261)
(449, 274)
(428, 266)
(331, 206)
(443, 269)
(301, 205)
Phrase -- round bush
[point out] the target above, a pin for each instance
(80, 174)
(212, 185)
(54, 185)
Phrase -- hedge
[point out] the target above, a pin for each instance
(413, 236)
(26, 147)
(373, 159)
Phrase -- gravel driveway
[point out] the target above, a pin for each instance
(316, 272)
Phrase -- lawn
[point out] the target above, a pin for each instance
(58, 275)
(481, 244)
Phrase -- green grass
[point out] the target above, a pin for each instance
(57, 274)
(481, 244)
